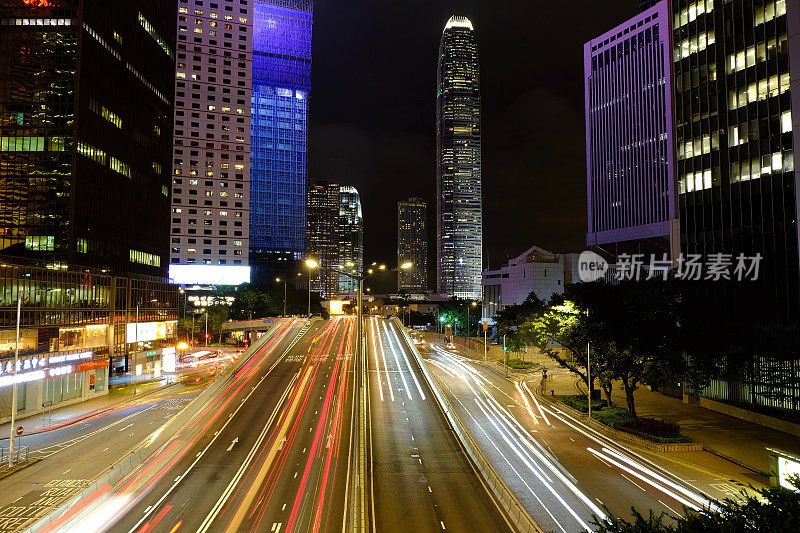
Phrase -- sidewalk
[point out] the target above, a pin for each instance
(71, 414)
(738, 441)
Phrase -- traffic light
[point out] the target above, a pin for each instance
(208, 335)
(505, 348)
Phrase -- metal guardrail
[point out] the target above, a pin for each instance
(517, 514)
(21, 454)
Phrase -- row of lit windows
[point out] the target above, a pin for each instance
(769, 11)
(760, 90)
(758, 53)
(95, 154)
(212, 14)
(144, 258)
(207, 251)
(207, 212)
(32, 144)
(749, 131)
(698, 146)
(105, 112)
(694, 44)
(692, 11)
(156, 37)
(762, 166)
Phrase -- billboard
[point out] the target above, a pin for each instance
(209, 274)
(150, 331)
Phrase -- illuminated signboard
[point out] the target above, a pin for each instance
(209, 274)
(149, 331)
(43, 361)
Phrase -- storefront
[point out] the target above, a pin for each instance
(54, 379)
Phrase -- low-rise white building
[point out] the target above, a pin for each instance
(536, 270)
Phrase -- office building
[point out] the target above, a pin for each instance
(734, 88)
(351, 237)
(86, 121)
(279, 134)
(459, 217)
(323, 215)
(412, 245)
(211, 165)
(630, 166)
(86, 95)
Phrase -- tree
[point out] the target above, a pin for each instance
(770, 509)
(512, 319)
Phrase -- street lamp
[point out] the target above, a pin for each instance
(311, 264)
(284, 293)
(15, 370)
(473, 305)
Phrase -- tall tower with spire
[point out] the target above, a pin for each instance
(459, 223)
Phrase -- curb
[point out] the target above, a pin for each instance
(625, 437)
(19, 466)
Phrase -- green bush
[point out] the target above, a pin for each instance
(614, 417)
(519, 364)
(581, 403)
(656, 427)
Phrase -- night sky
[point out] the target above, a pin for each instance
(373, 112)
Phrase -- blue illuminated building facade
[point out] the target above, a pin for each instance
(279, 134)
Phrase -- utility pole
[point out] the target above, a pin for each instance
(505, 353)
(588, 371)
(206, 328)
(14, 385)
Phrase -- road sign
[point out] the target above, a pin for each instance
(485, 325)
(20, 430)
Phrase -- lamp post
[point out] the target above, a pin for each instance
(473, 305)
(279, 280)
(12, 429)
(311, 264)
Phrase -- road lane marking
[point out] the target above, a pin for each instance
(233, 443)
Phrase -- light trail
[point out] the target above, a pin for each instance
(375, 350)
(393, 327)
(385, 366)
(397, 360)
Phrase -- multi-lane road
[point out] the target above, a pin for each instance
(304, 436)
(422, 479)
(562, 471)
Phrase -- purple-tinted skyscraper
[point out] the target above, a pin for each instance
(629, 136)
(282, 31)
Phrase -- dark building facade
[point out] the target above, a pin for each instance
(86, 133)
(459, 214)
(735, 86)
(412, 245)
(282, 31)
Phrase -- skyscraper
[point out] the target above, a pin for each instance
(412, 245)
(351, 237)
(211, 165)
(323, 236)
(630, 165)
(459, 223)
(280, 106)
(86, 100)
(735, 83)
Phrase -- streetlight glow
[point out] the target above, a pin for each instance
(310, 263)
(407, 265)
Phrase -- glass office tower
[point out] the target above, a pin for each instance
(323, 236)
(459, 221)
(351, 237)
(86, 140)
(279, 134)
(738, 187)
(412, 245)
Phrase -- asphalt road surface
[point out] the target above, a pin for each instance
(422, 479)
(268, 450)
(561, 471)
